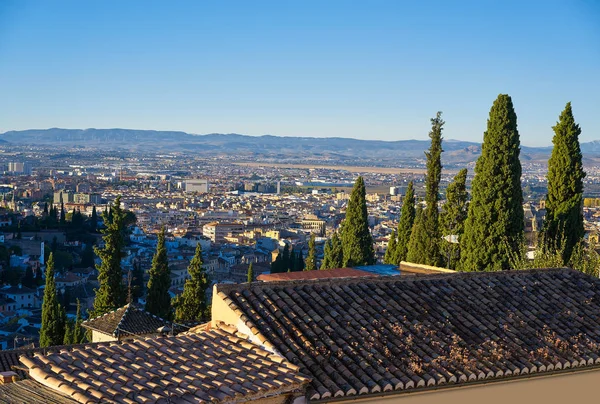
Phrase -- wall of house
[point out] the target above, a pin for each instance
(101, 337)
(560, 388)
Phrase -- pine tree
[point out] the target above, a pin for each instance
(418, 239)
(250, 273)
(78, 333)
(111, 294)
(564, 219)
(391, 249)
(453, 216)
(311, 258)
(191, 305)
(405, 225)
(494, 225)
(52, 330)
(356, 238)
(158, 300)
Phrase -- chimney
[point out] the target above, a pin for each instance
(8, 377)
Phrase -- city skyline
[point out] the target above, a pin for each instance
(314, 70)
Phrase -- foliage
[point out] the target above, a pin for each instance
(453, 216)
(333, 253)
(391, 249)
(418, 238)
(111, 294)
(564, 219)
(311, 258)
(405, 225)
(53, 327)
(494, 225)
(357, 242)
(78, 332)
(250, 277)
(28, 280)
(158, 300)
(191, 305)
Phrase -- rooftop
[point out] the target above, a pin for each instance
(379, 334)
(211, 366)
(307, 275)
(127, 320)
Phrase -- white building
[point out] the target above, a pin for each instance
(198, 185)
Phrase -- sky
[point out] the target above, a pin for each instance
(369, 70)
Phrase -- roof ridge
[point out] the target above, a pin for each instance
(226, 288)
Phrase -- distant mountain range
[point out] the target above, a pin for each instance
(456, 151)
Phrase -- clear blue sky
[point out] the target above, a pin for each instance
(371, 69)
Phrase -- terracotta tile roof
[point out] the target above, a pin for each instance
(214, 366)
(31, 392)
(307, 275)
(128, 320)
(368, 336)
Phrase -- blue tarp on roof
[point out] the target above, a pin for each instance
(381, 269)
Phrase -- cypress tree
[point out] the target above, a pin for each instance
(52, 330)
(191, 305)
(563, 228)
(45, 209)
(286, 259)
(311, 258)
(494, 225)
(158, 300)
(63, 215)
(418, 239)
(453, 216)
(137, 281)
(78, 333)
(337, 252)
(94, 219)
(430, 254)
(250, 273)
(405, 225)
(299, 264)
(28, 280)
(390, 250)
(357, 242)
(111, 294)
(325, 264)
(68, 338)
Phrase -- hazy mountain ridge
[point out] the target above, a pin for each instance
(457, 151)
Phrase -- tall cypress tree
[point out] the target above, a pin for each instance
(391, 249)
(563, 228)
(63, 215)
(311, 258)
(417, 244)
(78, 333)
(158, 300)
(326, 255)
(337, 252)
(52, 330)
(426, 250)
(94, 219)
(405, 225)
(452, 218)
(494, 225)
(191, 305)
(111, 294)
(250, 273)
(356, 238)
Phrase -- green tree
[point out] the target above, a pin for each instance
(250, 273)
(63, 216)
(356, 238)
(299, 264)
(494, 225)
(417, 245)
(325, 264)
(311, 258)
(453, 216)
(68, 337)
(28, 280)
(337, 252)
(137, 281)
(158, 300)
(94, 220)
(111, 293)
(286, 258)
(564, 219)
(191, 305)
(405, 225)
(52, 330)
(78, 333)
(391, 249)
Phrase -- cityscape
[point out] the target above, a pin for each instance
(159, 265)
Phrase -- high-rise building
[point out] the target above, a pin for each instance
(19, 167)
(198, 185)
